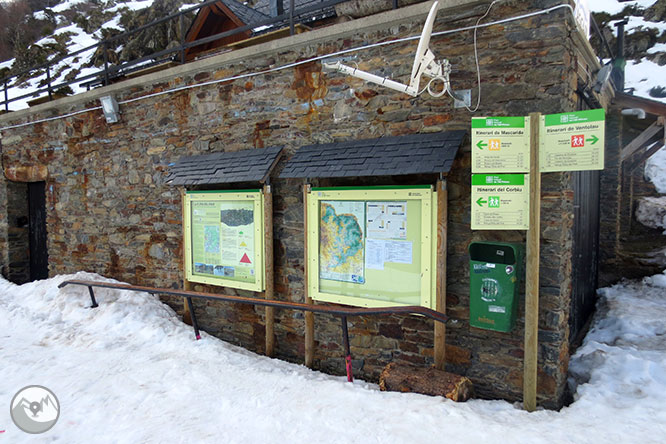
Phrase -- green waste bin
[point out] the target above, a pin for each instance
(495, 269)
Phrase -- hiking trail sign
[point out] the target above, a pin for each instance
(500, 201)
(572, 141)
(500, 145)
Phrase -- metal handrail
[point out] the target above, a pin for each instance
(109, 71)
(342, 312)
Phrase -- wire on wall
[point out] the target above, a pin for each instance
(319, 58)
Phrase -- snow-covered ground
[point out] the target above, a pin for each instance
(130, 371)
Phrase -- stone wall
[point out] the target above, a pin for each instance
(110, 212)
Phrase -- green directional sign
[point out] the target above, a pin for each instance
(500, 201)
(572, 141)
(500, 145)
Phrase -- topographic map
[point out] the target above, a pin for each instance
(341, 241)
(211, 239)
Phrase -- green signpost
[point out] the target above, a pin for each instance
(500, 202)
(572, 141)
(500, 145)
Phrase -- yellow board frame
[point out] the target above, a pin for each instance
(255, 196)
(428, 259)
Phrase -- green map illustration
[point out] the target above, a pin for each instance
(341, 241)
(211, 239)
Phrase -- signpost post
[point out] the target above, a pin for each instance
(572, 141)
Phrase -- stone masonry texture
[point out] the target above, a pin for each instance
(110, 211)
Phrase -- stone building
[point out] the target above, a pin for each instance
(109, 210)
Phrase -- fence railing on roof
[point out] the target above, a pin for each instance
(176, 53)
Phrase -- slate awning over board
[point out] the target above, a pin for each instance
(386, 156)
(252, 165)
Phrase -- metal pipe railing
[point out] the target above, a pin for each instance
(342, 312)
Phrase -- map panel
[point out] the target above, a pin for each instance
(223, 239)
(342, 241)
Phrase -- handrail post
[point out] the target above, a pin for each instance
(92, 298)
(395, 4)
(6, 98)
(48, 81)
(181, 20)
(106, 63)
(345, 341)
(193, 317)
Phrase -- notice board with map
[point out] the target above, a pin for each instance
(372, 246)
(224, 238)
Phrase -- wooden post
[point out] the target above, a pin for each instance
(268, 264)
(309, 316)
(532, 272)
(187, 318)
(440, 302)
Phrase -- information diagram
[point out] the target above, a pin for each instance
(223, 239)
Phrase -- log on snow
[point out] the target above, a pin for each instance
(428, 381)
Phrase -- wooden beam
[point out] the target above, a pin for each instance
(645, 155)
(268, 266)
(440, 301)
(309, 316)
(532, 272)
(187, 318)
(641, 140)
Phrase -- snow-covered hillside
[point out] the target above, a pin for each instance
(643, 72)
(76, 38)
(129, 371)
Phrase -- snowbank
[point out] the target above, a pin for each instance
(655, 170)
(130, 371)
(651, 212)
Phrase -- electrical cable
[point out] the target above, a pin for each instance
(478, 69)
(310, 60)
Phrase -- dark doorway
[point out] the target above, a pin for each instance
(585, 261)
(18, 233)
(39, 258)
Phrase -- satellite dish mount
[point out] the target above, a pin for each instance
(424, 64)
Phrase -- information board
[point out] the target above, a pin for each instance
(500, 145)
(572, 141)
(224, 238)
(500, 201)
(372, 247)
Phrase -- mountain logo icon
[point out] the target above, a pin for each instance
(35, 409)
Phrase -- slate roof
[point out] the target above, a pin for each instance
(252, 165)
(264, 6)
(246, 14)
(386, 156)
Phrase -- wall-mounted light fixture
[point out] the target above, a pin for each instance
(110, 108)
